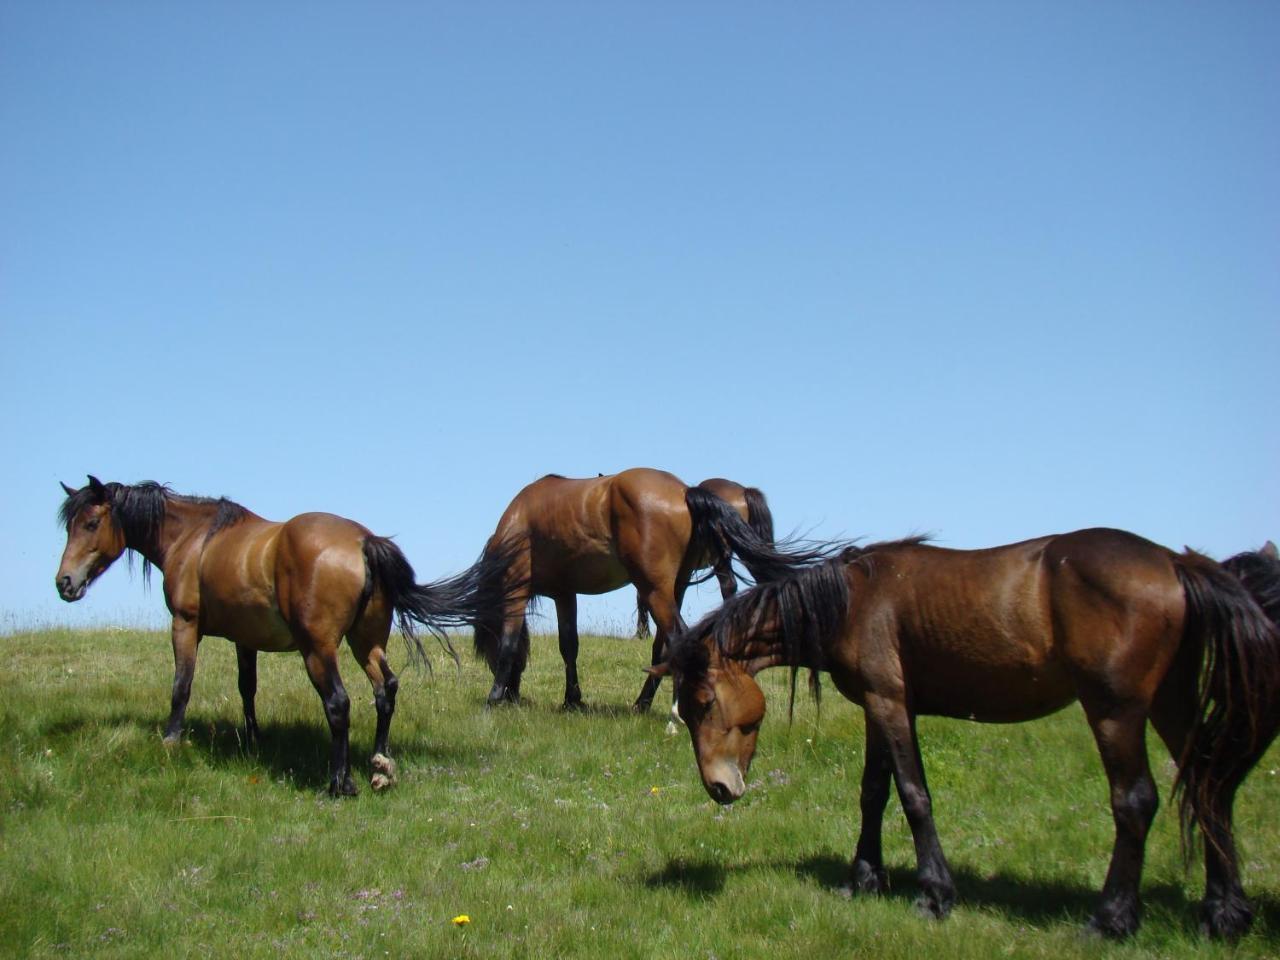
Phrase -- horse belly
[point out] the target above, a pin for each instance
(252, 624)
(238, 596)
(989, 693)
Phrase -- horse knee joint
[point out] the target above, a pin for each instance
(1136, 805)
(338, 706)
(915, 803)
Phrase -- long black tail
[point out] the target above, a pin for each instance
(454, 602)
(1239, 709)
(496, 588)
(719, 529)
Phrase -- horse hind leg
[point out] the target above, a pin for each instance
(321, 660)
(1120, 733)
(666, 617)
(1225, 911)
(368, 640)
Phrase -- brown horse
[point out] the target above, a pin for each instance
(565, 537)
(1131, 629)
(299, 585)
(752, 507)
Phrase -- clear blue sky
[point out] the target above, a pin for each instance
(983, 270)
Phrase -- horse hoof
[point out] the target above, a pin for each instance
(574, 706)
(384, 772)
(1114, 923)
(867, 879)
(641, 706)
(672, 728)
(932, 906)
(172, 739)
(345, 788)
(1227, 919)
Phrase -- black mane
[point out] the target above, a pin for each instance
(811, 606)
(138, 510)
(1259, 571)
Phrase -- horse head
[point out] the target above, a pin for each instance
(722, 706)
(94, 538)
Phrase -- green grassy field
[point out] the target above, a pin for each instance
(558, 835)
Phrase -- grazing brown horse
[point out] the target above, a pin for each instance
(641, 526)
(299, 585)
(752, 507)
(1131, 629)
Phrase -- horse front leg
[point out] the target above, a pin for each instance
(897, 727)
(567, 625)
(867, 871)
(186, 641)
(247, 662)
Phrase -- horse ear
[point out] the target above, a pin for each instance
(69, 491)
(658, 670)
(1269, 550)
(98, 488)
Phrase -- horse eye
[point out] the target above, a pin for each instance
(749, 728)
(92, 525)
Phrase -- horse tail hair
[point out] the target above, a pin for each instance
(388, 569)
(719, 529)
(440, 605)
(495, 589)
(1238, 713)
(759, 516)
(642, 618)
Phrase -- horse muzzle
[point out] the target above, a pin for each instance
(69, 589)
(724, 783)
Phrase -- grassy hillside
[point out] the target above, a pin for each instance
(558, 835)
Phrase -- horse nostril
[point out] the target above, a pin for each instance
(720, 793)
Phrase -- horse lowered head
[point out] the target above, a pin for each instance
(722, 706)
(94, 539)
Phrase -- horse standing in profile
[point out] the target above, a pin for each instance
(1130, 629)
(564, 537)
(299, 585)
(751, 505)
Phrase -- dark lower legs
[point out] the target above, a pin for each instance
(247, 660)
(1120, 733)
(892, 745)
(513, 653)
(567, 622)
(322, 667)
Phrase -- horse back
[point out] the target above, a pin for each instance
(1007, 633)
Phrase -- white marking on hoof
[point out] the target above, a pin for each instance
(384, 771)
(672, 728)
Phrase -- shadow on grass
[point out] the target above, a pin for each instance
(612, 710)
(702, 879)
(1037, 902)
(295, 752)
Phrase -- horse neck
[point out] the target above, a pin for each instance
(182, 518)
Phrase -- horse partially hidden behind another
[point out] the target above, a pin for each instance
(752, 506)
(299, 585)
(1131, 629)
(564, 537)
